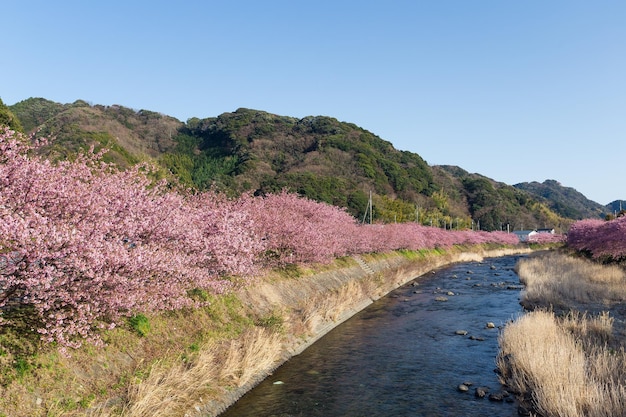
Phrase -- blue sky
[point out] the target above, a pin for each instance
(514, 90)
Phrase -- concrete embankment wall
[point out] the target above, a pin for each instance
(311, 306)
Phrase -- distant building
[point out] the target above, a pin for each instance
(524, 235)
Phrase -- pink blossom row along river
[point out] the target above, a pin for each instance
(87, 244)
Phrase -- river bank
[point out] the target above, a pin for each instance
(197, 362)
(314, 305)
(405, 354)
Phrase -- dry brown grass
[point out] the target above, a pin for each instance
(174, 390)
(563, 365)
(560, 280)
(105, 381)
(591, 330)
(542, 360)
(560, 374)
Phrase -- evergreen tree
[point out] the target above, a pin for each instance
(7, 118)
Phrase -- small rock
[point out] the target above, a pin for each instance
(454, 276)
(461, 332)
(39, 401)
(490, 325)
(278, 383)
(450, 293)
(469, 272)
(492, 267)
(463, 388)
(477, 338)
(414, 284)
(440, 298)
(496, 396)
(481, 392)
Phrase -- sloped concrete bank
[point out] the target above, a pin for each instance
(311, 306)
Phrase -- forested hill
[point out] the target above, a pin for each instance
(316, 156)
(319, 157)
(131, 135)
(565, 201)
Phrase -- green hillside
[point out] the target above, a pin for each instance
(565, 201)
(317, 156)
(499, 206)
(130, 135)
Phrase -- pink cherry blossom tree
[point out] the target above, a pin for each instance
(87, 245)
(601, 239)
(90, 244)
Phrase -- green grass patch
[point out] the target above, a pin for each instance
(289, 271)
(273, 321)
(198, 294)
(140, 324)
(228, 315)
(412, 254)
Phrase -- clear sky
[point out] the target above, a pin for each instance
(514, 90)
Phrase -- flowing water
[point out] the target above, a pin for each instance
(402, 356)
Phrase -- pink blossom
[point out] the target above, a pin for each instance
(601, 239)
(87, 245)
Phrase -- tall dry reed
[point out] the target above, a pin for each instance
(560, 280)
(176, 390)
(543, 361)
(563, 365)
(539, 358)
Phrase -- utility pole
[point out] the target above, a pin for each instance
(371, 207)
(369, 210)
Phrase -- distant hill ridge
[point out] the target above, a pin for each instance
(316, 156)
(565, 201)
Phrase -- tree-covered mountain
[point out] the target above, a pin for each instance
(317, 156)
(498, 206)
(7, 118)
(130, 135)
(565, 201)
(616, 208)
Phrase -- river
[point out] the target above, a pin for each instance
(402, 355)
